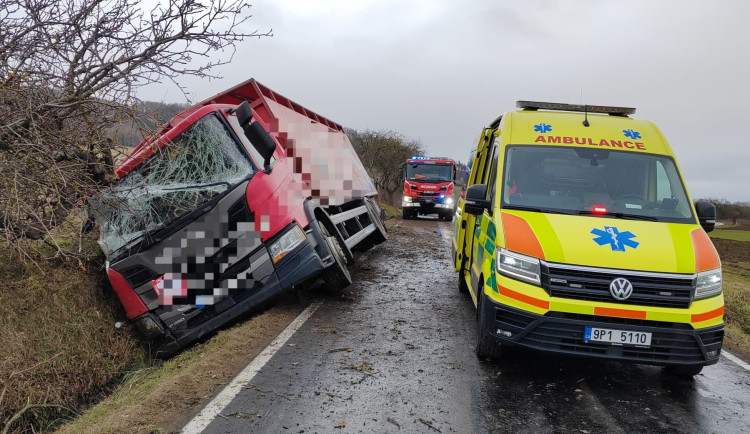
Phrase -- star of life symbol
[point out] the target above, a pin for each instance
(617, 240)
(542, 128)
(632, 134)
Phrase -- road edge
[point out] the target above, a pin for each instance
(198, 423)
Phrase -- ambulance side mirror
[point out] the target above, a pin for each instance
(706, 215)
(476, 199)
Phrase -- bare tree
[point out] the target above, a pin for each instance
(381, 152)
(68, 73)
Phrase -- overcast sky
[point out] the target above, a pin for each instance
(439, 71)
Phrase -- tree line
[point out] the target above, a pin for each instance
(726, 210)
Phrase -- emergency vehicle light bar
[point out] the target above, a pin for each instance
(611, 110)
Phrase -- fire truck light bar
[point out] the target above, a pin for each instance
(419, 157)
(611, 110)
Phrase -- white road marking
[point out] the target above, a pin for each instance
(736, 360)
(219, 403)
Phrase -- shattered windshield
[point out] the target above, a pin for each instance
(203, 161)
(594, 181)
(428, 172)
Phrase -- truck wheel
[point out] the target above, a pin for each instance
(336, 276)
(378, 236)
(487, 347)
(684, 370)
(448, 216)
(405, 214)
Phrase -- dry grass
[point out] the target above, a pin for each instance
(60, 347)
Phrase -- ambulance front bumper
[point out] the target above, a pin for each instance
(563, 333)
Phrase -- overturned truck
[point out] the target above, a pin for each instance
(237, 199)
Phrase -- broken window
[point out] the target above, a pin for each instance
(200, 163)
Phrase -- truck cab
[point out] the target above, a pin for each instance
(578, 237)
(237, 199)
(428, 187)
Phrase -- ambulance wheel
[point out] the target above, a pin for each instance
(336, 276)
(684, 370)
(462, 287)
(378, 236)
(487, 347)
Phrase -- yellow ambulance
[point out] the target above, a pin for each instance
(577, 236)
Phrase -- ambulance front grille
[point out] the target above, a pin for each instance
(592, 284)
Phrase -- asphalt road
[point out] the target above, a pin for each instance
(395, 354)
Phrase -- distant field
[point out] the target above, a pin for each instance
(730, 234)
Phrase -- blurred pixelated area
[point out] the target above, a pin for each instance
(322, 158)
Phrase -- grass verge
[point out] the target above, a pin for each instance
(60, 347)
(153, 399)
(731, 234)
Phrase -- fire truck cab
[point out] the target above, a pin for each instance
(428, 187)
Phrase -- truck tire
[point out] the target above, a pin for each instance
(487, 347)
(336, 276)
(688, 371)
(405, 214)
(378, 236)
(448, 216)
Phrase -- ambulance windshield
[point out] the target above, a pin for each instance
(593, 181)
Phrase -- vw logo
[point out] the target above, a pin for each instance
(621, 288)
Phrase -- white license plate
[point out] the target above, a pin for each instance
(621, 337)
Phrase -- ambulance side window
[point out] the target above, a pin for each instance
(491, 181)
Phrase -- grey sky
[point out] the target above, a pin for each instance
(441, 70)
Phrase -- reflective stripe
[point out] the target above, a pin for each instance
(519, 237)
(523, 297)
(698, 317)
(706, 257)
(620, 313)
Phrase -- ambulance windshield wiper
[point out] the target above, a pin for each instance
(619, 215)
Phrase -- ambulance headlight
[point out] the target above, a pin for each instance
(286, 243)
(708, 283)
(520, 267)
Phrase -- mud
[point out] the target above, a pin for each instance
(395, 354)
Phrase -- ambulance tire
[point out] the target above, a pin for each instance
(688, 371)
(463, 288)
(336, 276)
(487, 347)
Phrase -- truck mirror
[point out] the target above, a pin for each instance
(476, 201)
(454, 174)
(401, 171)
(258, 136)
(706, 215)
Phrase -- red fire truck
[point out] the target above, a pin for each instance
(236, 199)
(428, 187)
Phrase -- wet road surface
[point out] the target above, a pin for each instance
(395, 354)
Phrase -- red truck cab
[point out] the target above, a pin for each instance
(428, 187)
(235, 200)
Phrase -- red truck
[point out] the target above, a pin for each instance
(428, 187)
(237, 199)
